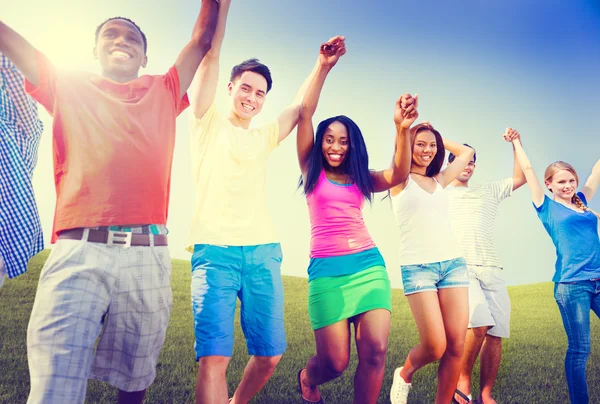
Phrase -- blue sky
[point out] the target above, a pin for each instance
(478, 66)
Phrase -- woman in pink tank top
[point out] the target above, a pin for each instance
(348, 282)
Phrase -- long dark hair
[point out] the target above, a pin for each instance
(355, 165)
(438, 160)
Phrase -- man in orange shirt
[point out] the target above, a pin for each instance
(113, 139)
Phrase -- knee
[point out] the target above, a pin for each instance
(480, 332)
(267, 363)
(434, 350)
(335, 366)
(455, 348)
(373, 353)
(213, 362)
(579, 349)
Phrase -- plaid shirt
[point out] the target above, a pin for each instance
(21, 234)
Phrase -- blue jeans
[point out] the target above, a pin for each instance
(575, 299)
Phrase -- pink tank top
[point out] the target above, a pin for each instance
(337, 225)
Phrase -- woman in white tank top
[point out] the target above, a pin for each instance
(434, 274)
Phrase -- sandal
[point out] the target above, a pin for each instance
(462, 395)
(305, 401)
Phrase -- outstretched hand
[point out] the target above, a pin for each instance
(511, 135)
(406, 112)
(331, 51)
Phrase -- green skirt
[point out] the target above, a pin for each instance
(335, 298)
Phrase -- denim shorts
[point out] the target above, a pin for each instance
(435, 275)
(223, 274)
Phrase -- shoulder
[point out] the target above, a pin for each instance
(581, 196)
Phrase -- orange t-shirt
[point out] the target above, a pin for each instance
(112, 144)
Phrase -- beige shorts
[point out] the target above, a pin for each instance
(489, 303)
(87, 290)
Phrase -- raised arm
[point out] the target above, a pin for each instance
(405, 115)
(207, 75)
(20, 52)
(537, 192)
(288, 119)
(591, 185)
(330, 53)
(464, 154)
(192, 54)
(12, 87)
(518, 174)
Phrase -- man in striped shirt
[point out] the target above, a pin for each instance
(20, 131)
(472, 212)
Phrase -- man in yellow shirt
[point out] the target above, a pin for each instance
(236, 253)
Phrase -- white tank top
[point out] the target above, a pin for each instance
(425, 232)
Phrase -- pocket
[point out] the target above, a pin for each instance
(412, 268)
(162, 258)
(62, 252)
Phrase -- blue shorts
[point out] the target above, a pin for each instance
(221, 275)
(435, 275)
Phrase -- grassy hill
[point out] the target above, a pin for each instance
(531, 369)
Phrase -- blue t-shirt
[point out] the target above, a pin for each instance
(575, 236)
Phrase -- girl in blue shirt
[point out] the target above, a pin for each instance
(573, 228)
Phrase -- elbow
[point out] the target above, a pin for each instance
(305, 112)
(400, 175)
(202, 41)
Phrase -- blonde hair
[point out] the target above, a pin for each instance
(561, 165)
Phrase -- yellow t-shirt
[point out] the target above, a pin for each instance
(229, 169)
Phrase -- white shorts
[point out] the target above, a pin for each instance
(489, 303)
(87, 288)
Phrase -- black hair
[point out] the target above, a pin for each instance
(355, 165)
(438, 160)
(129, 21)
(451, 156)
(252, 65)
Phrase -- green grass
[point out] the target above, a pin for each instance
(531, 369)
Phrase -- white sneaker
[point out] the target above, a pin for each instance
(400, 389)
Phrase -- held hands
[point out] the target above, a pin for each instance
(511, 135)
(331, 51)
(406, 112)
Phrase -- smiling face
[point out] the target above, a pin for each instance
(563, 184)
(467, 172)
(425, 148)
(336, 144)
(248, 94)
(120, 50)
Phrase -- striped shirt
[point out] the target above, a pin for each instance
(21, 234)
(472, 212)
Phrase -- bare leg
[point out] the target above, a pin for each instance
(211, 385)
(454, 304)
(332, 358)
(372, 331)
(257, 373)
(131, 397)
(475, 337)
(491, 353)
(425, 308)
